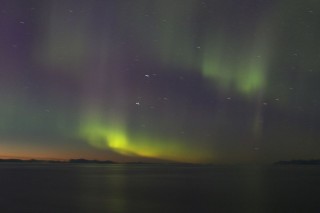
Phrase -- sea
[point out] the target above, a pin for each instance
(153, 188)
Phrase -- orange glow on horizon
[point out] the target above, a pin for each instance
(26, 152)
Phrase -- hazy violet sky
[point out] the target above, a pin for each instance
(214, 81)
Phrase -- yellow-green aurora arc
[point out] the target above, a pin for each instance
(114, 134)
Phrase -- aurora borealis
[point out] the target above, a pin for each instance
(212, 81)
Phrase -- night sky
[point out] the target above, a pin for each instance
(210, 81)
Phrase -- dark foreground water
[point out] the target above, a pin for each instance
(158, 188)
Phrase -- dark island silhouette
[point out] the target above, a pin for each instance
(76, 161)
(84, 161)
(14, 160)
(299, 162)
(81, 160)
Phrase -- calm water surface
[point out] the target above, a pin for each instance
(158, 188)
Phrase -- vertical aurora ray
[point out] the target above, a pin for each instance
(66, 41)
(170, 26)
(239, 66)
(176, 44)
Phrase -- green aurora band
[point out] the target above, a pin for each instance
(80, 63)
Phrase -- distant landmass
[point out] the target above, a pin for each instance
(56, 161)
(90, 161)
(83, 161)
(76, 161)
(298, 162)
